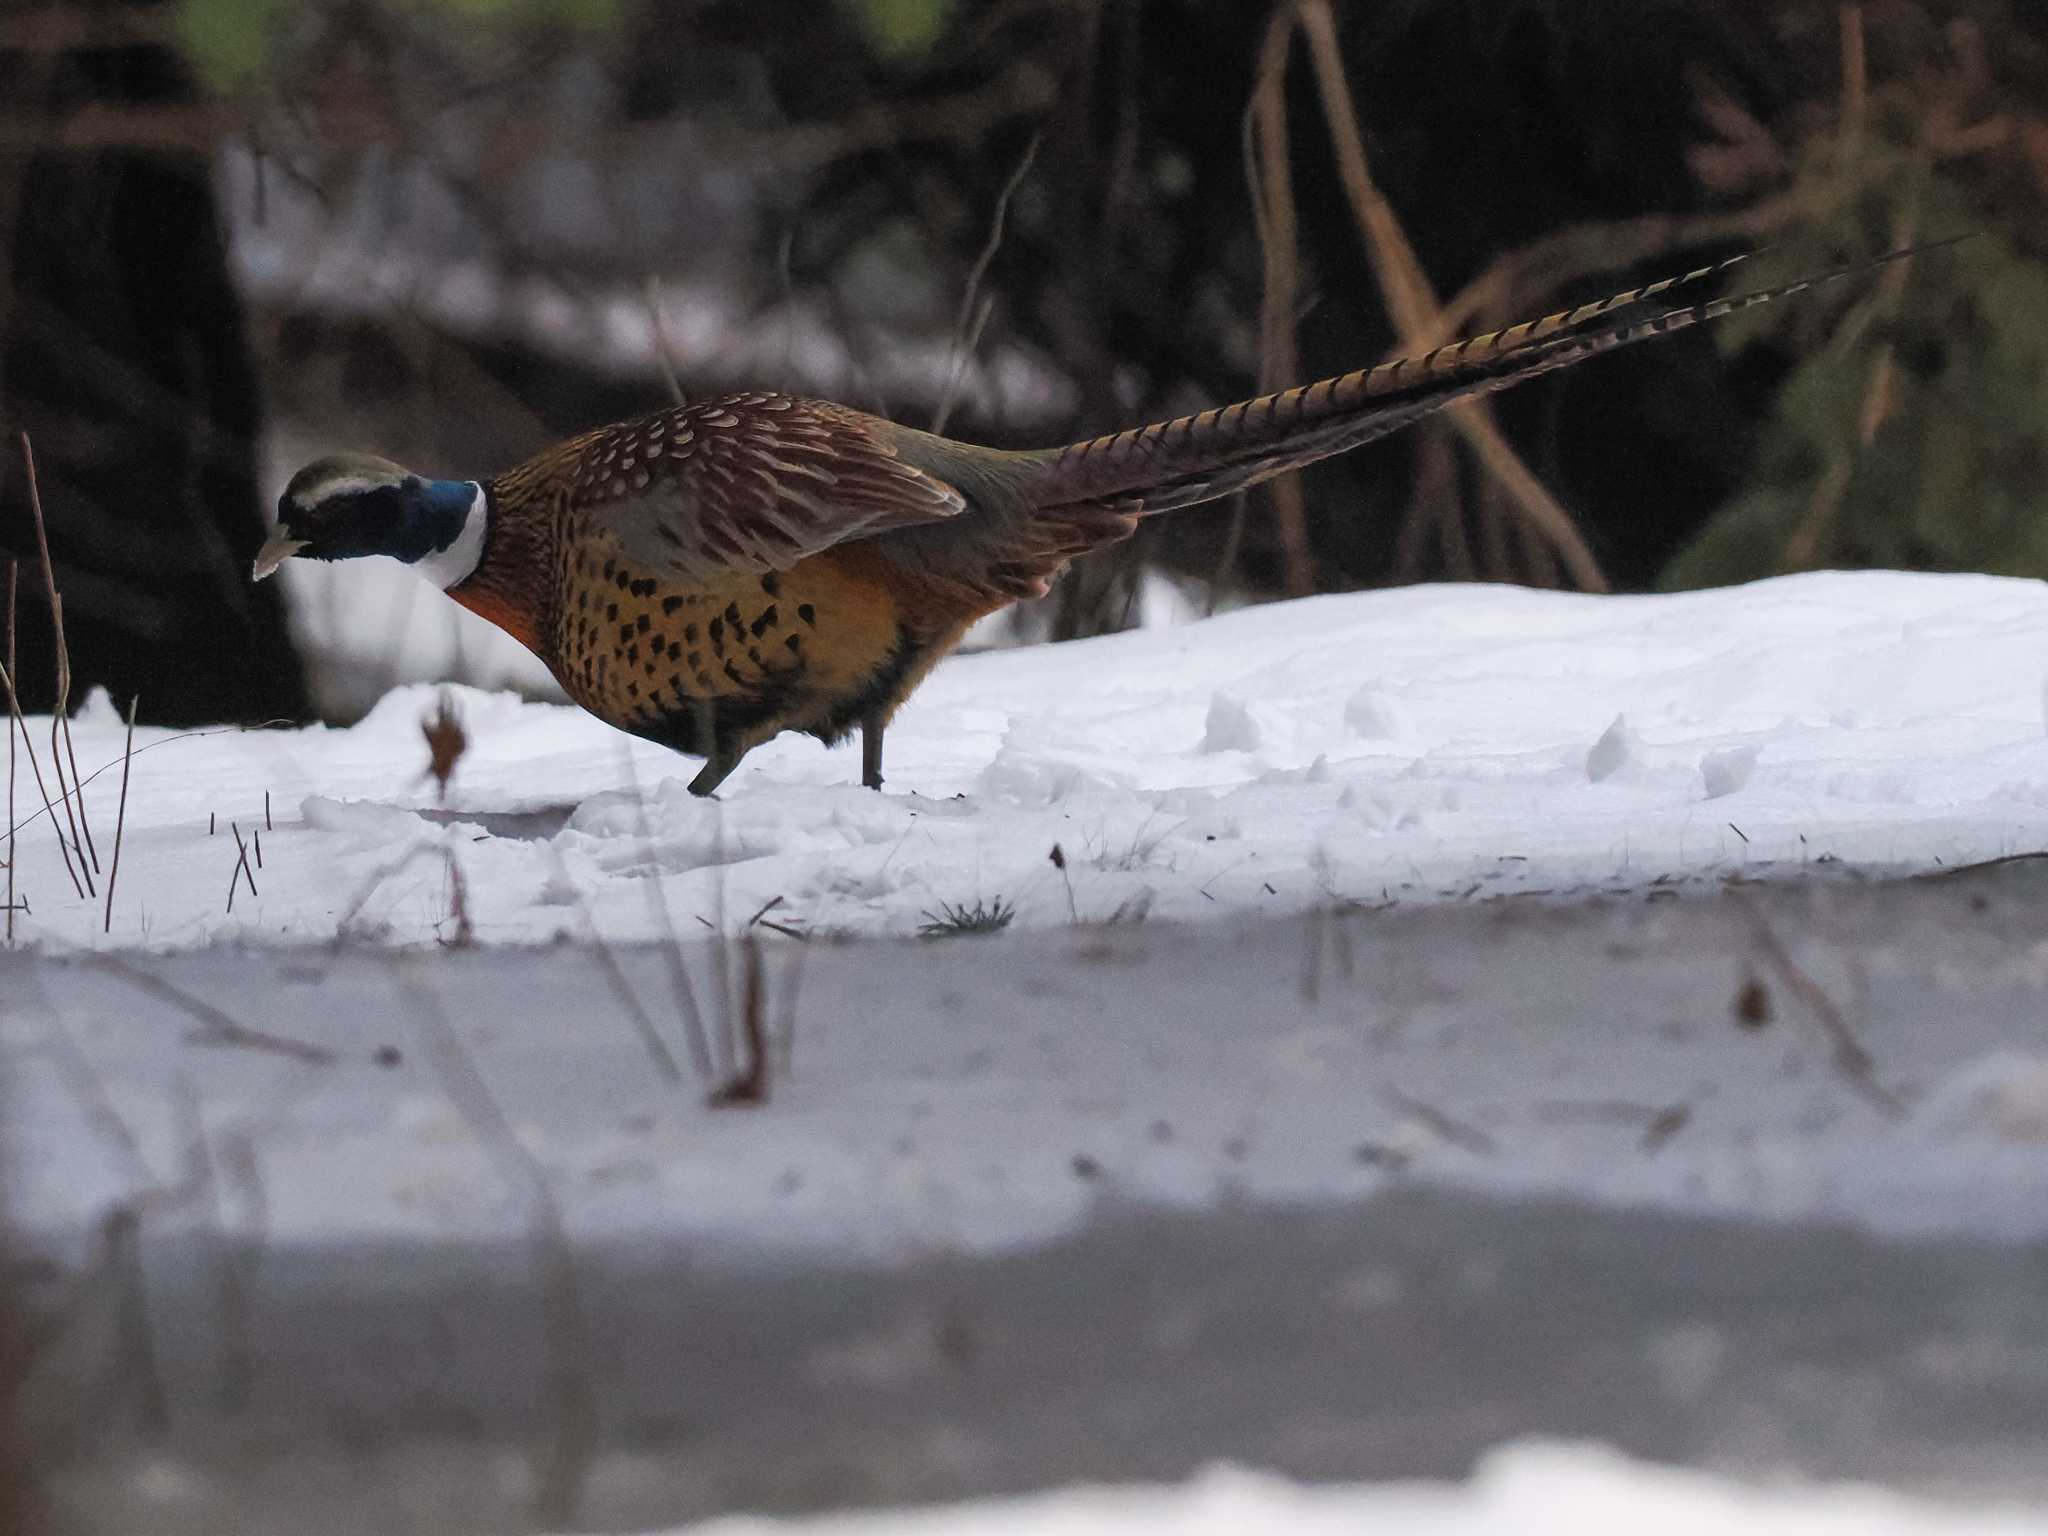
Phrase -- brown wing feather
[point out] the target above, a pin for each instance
(752, 482)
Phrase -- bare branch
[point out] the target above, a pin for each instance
(1413, 303)
(963, 339)
(216, 1027)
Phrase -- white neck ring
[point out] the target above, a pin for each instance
(451, 566)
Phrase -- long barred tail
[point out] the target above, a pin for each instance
(1198, 458)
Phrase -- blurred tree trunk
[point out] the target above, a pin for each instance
(122, 354)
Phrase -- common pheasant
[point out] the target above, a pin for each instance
(711, 575)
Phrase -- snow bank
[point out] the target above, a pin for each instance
(1522, 1490)
(1428, 744)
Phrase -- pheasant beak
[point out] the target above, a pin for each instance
(277, 549)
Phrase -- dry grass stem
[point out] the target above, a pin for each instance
(241, 869)
(1444, 1126)
(216, 1028)
(121, 814)
(1272, 191)
(560, 1459)
(1804, 549)
(1855, 79)
(1852, 1061)
(747, 1083)
(13, 573)
(664, 1059)
(60, 713)
(664, 349)
(458, 903)
(49, 807)
(694, 1034)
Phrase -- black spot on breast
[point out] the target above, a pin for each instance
(734, 675)
(754, 655)
(793, 642)
(632, 653)
(625, 633)
(674, 650)
(807, 613)
(669, 605)
(716, 629)
(772, 584)
(689, 634)
(610, 566)
(622, 581)
(644, 587)
(764, 623)
(732, 614)
(643, 623)
(695, 660)
(611, 613)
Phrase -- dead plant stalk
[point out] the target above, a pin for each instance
(61, 749)
(121, 813)
(1413, 302)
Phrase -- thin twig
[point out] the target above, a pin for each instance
(1855, 79)
(561, 1462)
(113, 763)
(792, 983)
(241, 868)
(643, 1023)
(1272, 192)
(694, 1033)
(1446, 1127)
(14, 713)
(963, 343)
(121, 813)
(748, 1083)
(1853, 1062)
(721, 963)
(13, 571)
(218, 1028)
(663, 351)
(784, 248)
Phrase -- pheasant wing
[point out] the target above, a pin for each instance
(748, 483)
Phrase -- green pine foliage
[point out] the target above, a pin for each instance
(904, 29)
(1954, 369)
(233, 43)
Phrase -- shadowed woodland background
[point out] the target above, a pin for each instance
(236, 232)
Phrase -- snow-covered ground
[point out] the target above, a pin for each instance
(1384, 760)
(1534, 1490)
(1429, 744)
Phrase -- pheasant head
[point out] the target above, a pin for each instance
(349, 505)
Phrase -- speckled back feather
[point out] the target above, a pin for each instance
(747, 483)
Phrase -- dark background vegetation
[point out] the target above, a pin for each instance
(1194, 198)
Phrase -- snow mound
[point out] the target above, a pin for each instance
(1617, 747)
(2002, 1096)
